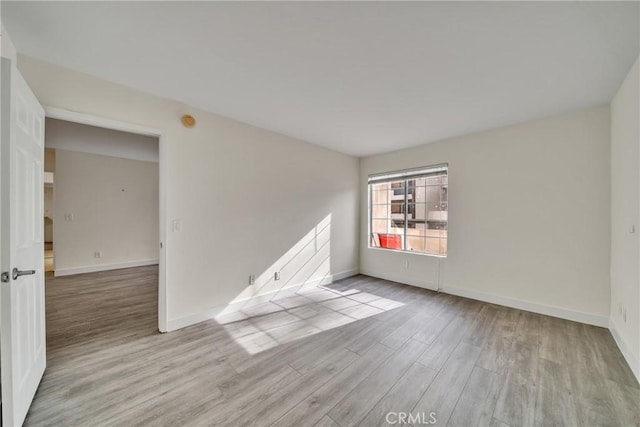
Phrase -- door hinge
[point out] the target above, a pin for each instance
(5, 277)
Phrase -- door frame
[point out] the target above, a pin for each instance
(101, 122)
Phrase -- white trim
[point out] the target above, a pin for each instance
(103, 267)
(442, 168)
(549, 310)
(87, 119)
(211, 313)
(406, 251)
(633, 363)
(343, 275)
(404, 280)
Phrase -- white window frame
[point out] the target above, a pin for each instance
(405, 175)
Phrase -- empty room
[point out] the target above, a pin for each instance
(320, 213)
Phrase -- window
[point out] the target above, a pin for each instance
(408, 210)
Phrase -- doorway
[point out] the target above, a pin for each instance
(106, 214)
(49, 176)
(65, 216)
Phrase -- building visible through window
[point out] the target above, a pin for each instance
(408, 210)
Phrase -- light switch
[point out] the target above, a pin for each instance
(68, 217)
(176, 225)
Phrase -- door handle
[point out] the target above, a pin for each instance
(17, 273)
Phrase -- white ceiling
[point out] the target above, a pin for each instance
(357, 77)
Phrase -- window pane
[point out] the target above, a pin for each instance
(436, 217)
(391, 241)
(416, 229)
(387, 240)
(379, 196)
(436, 246)
(420, 182)
(410, 188)
(397, 189)
(415, 243)
(397, 226)
(383, 186)
(433, 194)
(435, 180)
(417, 211)
(443, 246)
(380, 226)
(397, 206)
(418, 224)
(419, 194)
(380, 211)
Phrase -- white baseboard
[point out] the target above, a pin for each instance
(192, 319)
(549, 310)
(633, 363)
(103, 267)
(407, 281)
(563, 313)
(344, 274)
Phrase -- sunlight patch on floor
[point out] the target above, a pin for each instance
(280, 321)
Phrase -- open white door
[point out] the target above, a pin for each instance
(22, 288)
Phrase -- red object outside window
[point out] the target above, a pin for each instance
(390, 241)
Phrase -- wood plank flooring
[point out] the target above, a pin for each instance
(48, 257)
(343, 355)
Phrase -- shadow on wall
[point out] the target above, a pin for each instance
(274, 312)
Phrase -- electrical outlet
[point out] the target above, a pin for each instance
(97, 254)
(276, 275)
(252, 279)
(68, 217)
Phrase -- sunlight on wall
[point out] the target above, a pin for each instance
(306, 264)
(274, 312)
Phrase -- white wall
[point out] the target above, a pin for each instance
(7, 49)
(114, 203)
(245, 195)
(528, 216)
(625, 215)
(69, 136)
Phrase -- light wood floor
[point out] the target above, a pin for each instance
(48, 256)
(343, 356)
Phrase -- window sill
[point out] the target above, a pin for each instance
(407, 252)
